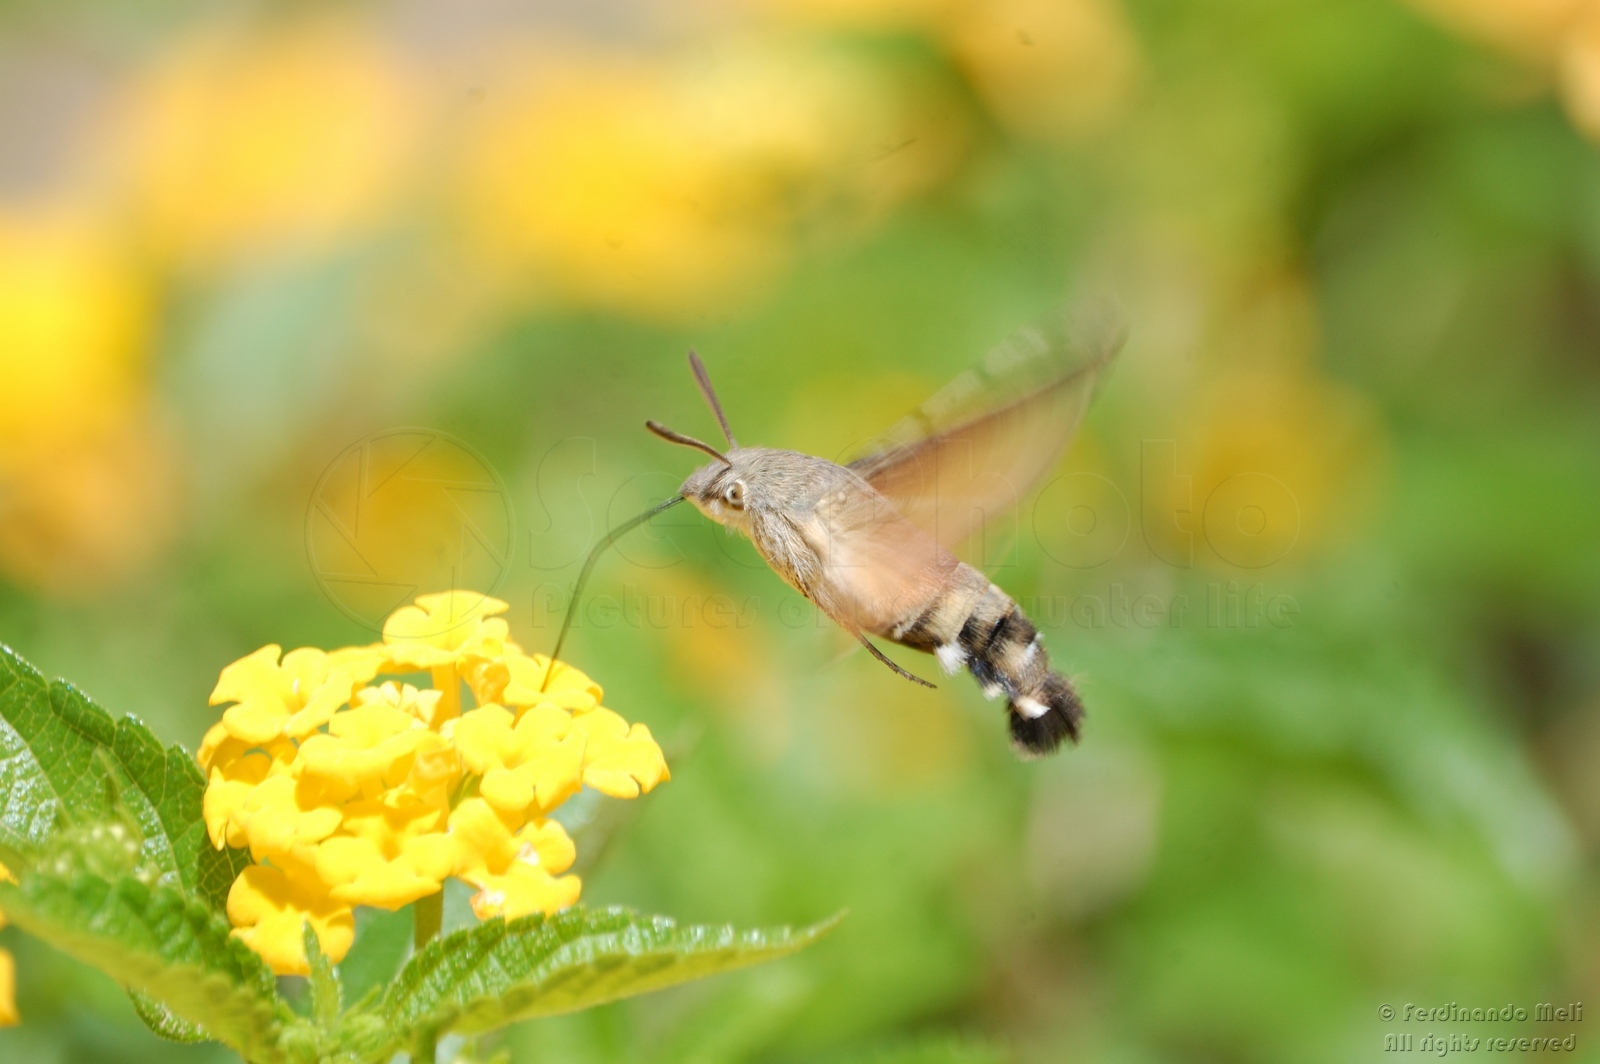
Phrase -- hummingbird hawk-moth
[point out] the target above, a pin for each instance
(871, 542)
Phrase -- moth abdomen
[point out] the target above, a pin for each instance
(1062, 717)
(975, 624)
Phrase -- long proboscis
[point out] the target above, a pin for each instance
(583, 576)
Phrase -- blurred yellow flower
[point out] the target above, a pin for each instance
(242, 143)
(374, 795)
(85, 473)
(74, 329)
(872, 15)
(8, 975)
(1558, 36)
(666, 189)
(1049, 69)
(1285, 462)
(1580, 70)
(1530, 28)
(8, 987)
(446, 633)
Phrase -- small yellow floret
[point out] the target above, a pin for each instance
(515, 874)
(294, 697)
(282, 814)
(566, 687)
(445, 629)
(537, 760)
(618, 760)
(269, 907)
(372, 743)
(362, 873)
(226, 793)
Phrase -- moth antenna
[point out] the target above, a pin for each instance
(704, 380)
(583, 576)
(688, 441)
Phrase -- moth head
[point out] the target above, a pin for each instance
(721, 492)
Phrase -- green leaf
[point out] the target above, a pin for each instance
(500, 972)
(65, 762)
(325, 1003)
(160, 943)
(164, 1022)
(382, 941)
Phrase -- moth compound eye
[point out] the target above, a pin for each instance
(733, 495)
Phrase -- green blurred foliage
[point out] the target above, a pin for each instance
(1268, 831)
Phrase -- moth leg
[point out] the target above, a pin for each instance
(875, 652)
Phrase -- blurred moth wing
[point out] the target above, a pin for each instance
(870, 543)
(972, 452)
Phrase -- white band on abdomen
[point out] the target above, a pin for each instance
(1031, 708)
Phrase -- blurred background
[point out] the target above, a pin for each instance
(306, 307)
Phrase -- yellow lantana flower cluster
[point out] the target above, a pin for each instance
(351, 789)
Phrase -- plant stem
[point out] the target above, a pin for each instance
(427, 917)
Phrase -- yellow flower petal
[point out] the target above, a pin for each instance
(268, 908)
(293, 697)
(549, 842)
(389, 821)
(538, 760)
(515, 873)
(522, 890)
(558, 767)
(419, 704)
(509, 790)
(282, 814)
(567, 687)
(488, 678)
(445, 629)
(363, 745)
(361, 873)
(435, 769)
(485, 738)
(311, 697)
(229, 787)
(216, 739)
(619, 761)
(482, 839)
(253, 683)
